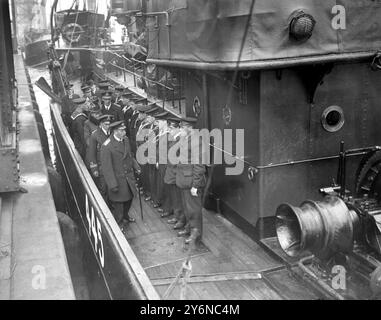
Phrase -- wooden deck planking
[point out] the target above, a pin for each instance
(290, 287)
(251, 255)
(190, 293)
(158, 272)
(260, 291)
(225, 249)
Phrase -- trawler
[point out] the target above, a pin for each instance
(302, 79)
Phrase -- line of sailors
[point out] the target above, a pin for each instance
(106, 126)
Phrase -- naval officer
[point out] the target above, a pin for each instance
(118, 165)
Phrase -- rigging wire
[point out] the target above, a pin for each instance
(71, 40)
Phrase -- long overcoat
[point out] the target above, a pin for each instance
(118, 166)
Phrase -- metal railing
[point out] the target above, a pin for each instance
(166, 89)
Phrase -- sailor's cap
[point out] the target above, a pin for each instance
(119, 88)
(85, 88)
(79, 100)
(106, 117)
(118, 125)
(106, 96)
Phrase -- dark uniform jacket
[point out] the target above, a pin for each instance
(78, 122)
(67, 108)
(96, 141)
(68, 105)
(117, 165)
(170, 170)
(89, 128)
(191, 175)
(115, 111)
(97, 93)
(134, 127)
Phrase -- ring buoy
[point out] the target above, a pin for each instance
(72, 30)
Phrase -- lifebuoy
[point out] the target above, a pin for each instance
(72, 32)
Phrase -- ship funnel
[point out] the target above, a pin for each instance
(322, 227)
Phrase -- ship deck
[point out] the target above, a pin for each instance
(228, 265)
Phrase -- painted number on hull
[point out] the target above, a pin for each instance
(95, 231)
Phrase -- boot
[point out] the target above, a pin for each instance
(183, 233)
(166, 214)
(172, 221)
(178, 225)
(194, 237)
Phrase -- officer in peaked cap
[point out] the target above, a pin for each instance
(95, 91)
(86, 92)
(97, 138)
(118, 165)
(118, 92)
(91, 124)
(191, 180)
(157, 171)
(78, 117)
(104, 86)
(68, 106)
(173, 203)
(137, 121)
(110, 108)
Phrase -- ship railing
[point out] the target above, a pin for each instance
(137, 70)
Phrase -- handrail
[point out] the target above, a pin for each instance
(141, 76)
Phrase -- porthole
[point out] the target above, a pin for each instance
(333, 119)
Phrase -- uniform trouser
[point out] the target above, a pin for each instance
(192, 210)
(151, 176)
(145, 179)
(161, 195)
(173, 202)
(120, 210)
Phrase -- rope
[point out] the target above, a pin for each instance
(71, 40)
(184, 273)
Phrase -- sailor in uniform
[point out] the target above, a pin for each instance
(173, 204)
(118, 93)
(191, 180)
(92, 123)
(68, 105)
(86, 92)
(162, 151)
(97, 138)
(95, 91)
(118, 165)
(111, 108)
(78, 118)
